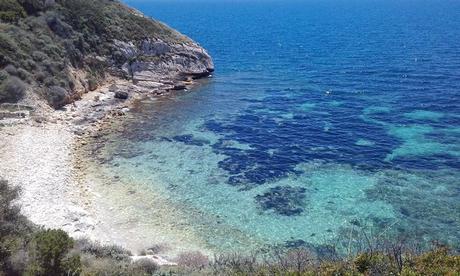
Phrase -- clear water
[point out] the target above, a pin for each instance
(324, 118)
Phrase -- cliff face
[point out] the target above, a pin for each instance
(59, 49)
(156, 60)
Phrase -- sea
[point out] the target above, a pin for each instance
(329, 124)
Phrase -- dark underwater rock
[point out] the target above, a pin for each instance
(188, 139)
(283, 200)
(295, 243)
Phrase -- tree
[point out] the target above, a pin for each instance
(49, 250)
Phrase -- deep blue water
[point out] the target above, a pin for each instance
(322, 116)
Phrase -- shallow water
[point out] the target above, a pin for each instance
(323, 118)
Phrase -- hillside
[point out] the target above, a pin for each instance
(59, 50)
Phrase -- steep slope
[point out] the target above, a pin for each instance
(60, 49)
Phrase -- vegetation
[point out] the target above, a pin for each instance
(15, 230)
(12, 89)
(28, 250)
(43, 42)
(49, 254)
(11, 11)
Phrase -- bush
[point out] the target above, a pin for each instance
(193, 260)
(3, 76)
(103, 251)
(9, 215)
(23, 74)
(374, 263)
(33, 6)
(57, 96)
(12, 90)
(11, 69)
(40, 76)
(8, 49)
(92, 83)
(29, 64)
(39, 56)
(11, 11)
(14, 227)
(49, 252)
(103, 266)
(59, 27)
(145, 266)
(438, 261)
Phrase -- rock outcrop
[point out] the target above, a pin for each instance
(76, 46)
(156, 60)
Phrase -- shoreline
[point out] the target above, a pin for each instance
(42, 154)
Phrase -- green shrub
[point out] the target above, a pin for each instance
(14, 227)
(23, 74)
(39, 56)
(29, 64)
(11, 69)
(12, 90)
(48, 81)
(9, 214)
(438, 261)
(33, 6)
(11, 11)
(92, 83)
(57, 96)
(8, 48)
(375, 263)
(364, 262)
(146, 266)
(49, 250)
(73, 52)
(3, 76)
(103, 266)
(59, 27)
(192, 260)
(40, 76)
(103, 251)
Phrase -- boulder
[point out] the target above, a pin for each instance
(122, 95)
(179, 86)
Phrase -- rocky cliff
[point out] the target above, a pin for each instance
(57, 50)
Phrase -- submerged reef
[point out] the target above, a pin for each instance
(423, 210)
(283, 200)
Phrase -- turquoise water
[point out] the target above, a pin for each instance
(324, 120)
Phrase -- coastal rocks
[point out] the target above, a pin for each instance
(122, 95)
(155, 258)
(283, 200)
(179, 86)
(58, 96)
(155, 59)
(14, 113)
(77, 221)
(154, 48)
